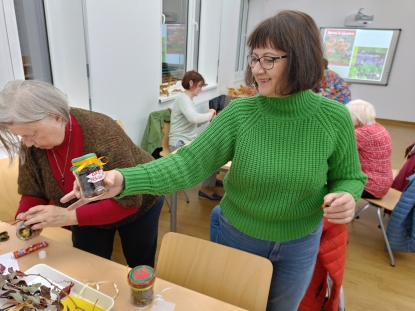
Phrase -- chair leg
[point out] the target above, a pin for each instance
(356, 216)
(385, 236)
(187, 198)
(167, 201)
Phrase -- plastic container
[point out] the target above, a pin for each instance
(141, 280)
(24, 232)
(61, 280)
(90, 176)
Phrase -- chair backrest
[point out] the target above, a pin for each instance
(9, 198)
(234, 276)
(119, 122)
(165, 142)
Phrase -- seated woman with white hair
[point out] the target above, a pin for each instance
(374, 145)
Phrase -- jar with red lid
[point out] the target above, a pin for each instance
(141, 280)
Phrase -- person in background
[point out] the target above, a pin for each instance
(374, 145)
(52, 134)
(184, 122)
(291, 151)
(408, 168)
(332, 86)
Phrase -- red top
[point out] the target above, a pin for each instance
(375, 150)
(400, 182)
(95, 213)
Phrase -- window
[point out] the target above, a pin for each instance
(180, 38)
(30, 18)
(241, 49)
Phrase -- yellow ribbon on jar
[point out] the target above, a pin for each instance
(89, 161)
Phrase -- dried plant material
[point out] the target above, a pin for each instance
(164, 92)
(25, 297)
(243, 91)
(164, 88)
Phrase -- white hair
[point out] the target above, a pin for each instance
(24, 102)
(362, 111)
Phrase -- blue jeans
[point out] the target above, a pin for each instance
(214, 223)
(293, 261)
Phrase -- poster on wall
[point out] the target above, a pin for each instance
(368, 63)
(360, 55)
(338, 45)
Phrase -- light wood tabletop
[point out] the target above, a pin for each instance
(86, 267)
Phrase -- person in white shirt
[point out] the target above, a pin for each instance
(184, 121)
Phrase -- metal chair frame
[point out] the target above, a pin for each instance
(388, 202)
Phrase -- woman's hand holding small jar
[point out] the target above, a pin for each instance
(114, 180)
(43, 216)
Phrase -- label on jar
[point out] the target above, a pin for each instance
(96, 176)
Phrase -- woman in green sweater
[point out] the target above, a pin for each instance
(291, 151)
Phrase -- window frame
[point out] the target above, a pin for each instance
(206, 61)
(191, 10)
(241, 48)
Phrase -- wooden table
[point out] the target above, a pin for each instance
(86, 267)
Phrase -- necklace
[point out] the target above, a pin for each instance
(67, 152)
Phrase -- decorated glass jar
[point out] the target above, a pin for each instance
(141, 280)
(88, 171)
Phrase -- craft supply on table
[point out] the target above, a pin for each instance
(88, 171)
(42, 254)
(141, 280)
(71, 302)
(30, 249)
(4, 236)
(25, 232)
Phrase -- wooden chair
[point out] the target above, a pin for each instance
(119, 122)
(9, 197)
(388, 202)
(234, 276)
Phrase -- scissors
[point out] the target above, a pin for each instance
(4, 236)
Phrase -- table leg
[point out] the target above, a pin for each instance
(173, 211)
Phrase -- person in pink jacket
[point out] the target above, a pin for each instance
(374, 145)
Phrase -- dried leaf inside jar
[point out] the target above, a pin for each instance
(24, 232)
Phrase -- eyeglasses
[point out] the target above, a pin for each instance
(266, 62)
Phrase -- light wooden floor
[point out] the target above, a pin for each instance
(370, 283)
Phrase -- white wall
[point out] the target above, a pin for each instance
(124, 44)
(394, 101)
(64, 19)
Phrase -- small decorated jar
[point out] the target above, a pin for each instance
(24, 232)
(141, 280)
(88, 171)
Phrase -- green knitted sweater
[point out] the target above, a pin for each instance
(287, 154)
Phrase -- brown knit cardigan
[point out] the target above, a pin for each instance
(102, 136)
